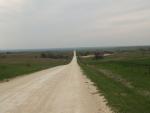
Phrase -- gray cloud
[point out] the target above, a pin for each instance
(72, 23)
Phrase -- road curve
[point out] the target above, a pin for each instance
(62, 89)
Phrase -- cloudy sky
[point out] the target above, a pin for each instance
(28, 24)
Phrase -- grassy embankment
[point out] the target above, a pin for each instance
(124, 80)
(17, 64)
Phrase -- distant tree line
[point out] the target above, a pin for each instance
(97, 54)
(54, 56)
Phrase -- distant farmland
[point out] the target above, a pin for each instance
(14, 64)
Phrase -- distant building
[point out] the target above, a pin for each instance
(99, 55)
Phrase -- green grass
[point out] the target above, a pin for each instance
(18, 64)
(132, 67)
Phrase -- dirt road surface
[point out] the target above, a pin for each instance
(61, 89)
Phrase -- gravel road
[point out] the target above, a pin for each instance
(62, 89)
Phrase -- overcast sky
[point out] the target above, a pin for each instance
(28, 24)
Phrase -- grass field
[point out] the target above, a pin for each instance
(20, 63)
(123, 78)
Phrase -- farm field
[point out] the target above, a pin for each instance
(14, 64)
(123, 78)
